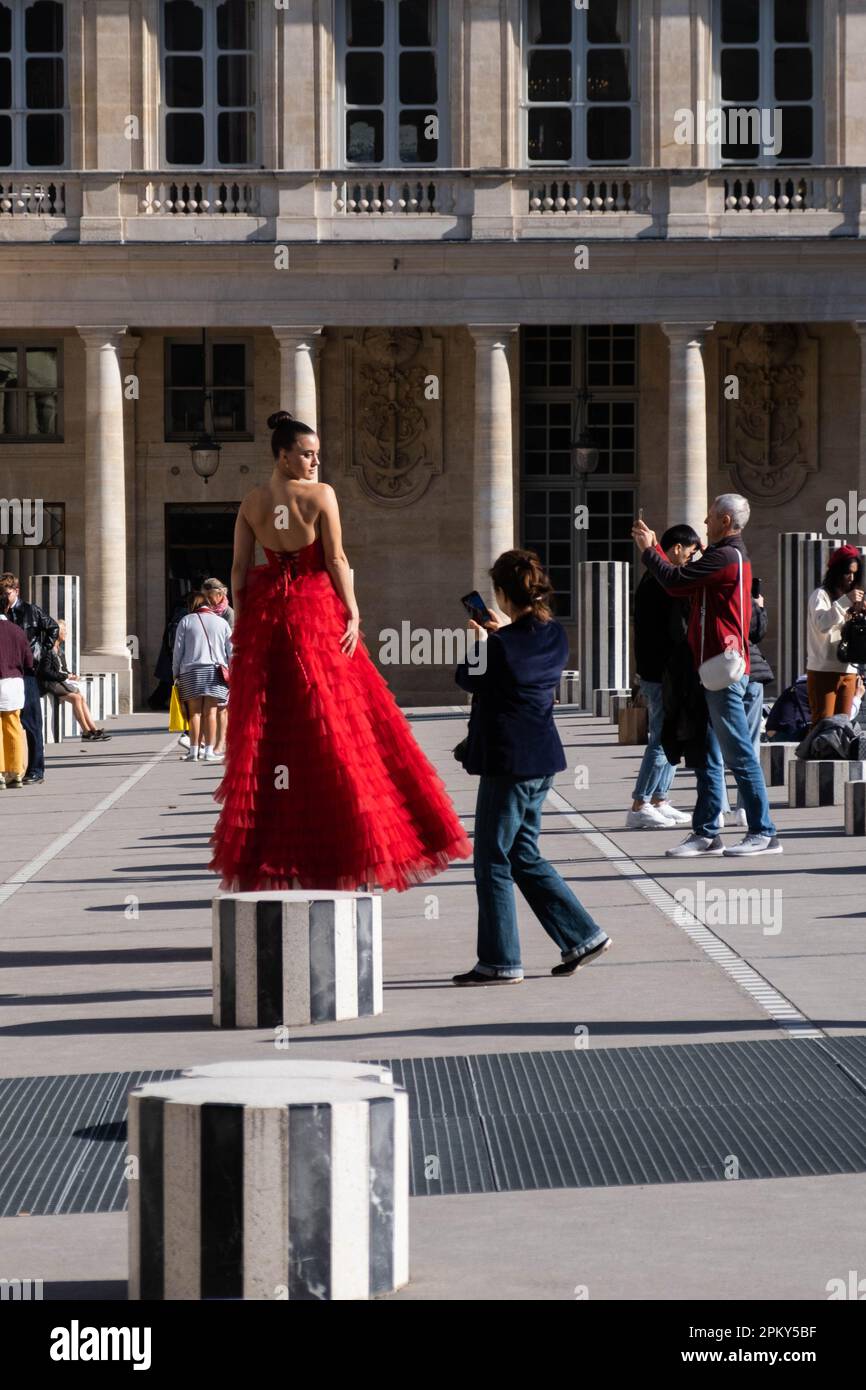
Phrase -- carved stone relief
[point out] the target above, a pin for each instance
(394, 381)
(770, 425)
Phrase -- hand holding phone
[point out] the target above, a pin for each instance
(477, 608)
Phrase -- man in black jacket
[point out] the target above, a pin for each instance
(41, 632)
(654, 619)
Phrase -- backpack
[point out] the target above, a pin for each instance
(852, 648)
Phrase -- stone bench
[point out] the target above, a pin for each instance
(855, 808)
(601, 701)
(821, 781)
(775, 758)
(296, 958)
(268, 1187)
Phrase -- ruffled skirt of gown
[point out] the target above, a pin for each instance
(324, 784)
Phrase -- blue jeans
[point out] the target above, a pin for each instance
(31, 721)
(753, 703)
(507, 826)
(729, 742)
(656, 774)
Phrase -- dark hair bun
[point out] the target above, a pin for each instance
(279, 417)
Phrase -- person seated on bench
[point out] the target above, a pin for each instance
(54, 679)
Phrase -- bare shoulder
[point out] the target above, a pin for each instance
(256, 503)
(325, 494)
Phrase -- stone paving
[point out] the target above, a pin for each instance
(105, 957)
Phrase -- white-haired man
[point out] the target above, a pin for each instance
(720, 587)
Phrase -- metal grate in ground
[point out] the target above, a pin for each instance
(598, 1117)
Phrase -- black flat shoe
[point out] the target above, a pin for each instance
(568, 967)
(474, 977)
(30, 780)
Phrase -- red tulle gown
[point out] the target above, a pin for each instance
(324, 785)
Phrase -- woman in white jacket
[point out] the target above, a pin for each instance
(202, 646)
(830, 683)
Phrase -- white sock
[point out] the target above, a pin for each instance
(208, 750)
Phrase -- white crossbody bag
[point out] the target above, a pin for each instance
(729, 666)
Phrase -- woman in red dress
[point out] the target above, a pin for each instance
(324, 786)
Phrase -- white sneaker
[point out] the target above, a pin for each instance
(647, 818)
(183, 741)
(191, 757)
(212, 758)
(671, 813)
(693, 845)
(755, 844)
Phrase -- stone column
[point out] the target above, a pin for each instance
(687, 425)
(493, 479)
(104, 597)
(299, 351)
(129, 346)
(860, 326)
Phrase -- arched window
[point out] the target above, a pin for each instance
(33, 111)
(209, 95)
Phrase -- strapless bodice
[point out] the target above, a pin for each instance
(293, 563)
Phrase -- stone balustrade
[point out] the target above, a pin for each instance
(432, 204)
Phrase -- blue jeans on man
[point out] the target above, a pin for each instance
(753, 703)
(31, 721)
(655, 774)
(507, 827)
(730, 743)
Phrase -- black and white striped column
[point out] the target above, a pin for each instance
(60, 595)
(602, 702)
(821, 781)
(775, 758)
(569, 688)
(265, 1188)
(53, 719)
(603, 588)
(619, 700)
(855, 808)
(296, 958)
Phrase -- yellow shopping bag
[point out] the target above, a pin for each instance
(177, 721)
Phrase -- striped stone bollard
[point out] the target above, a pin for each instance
(60, 595)
(855, 808)
(821, 781)
(603, 588)
(296, 958)
(618, 702)
(775, 758)
(52, 719)
(602, 702)
(268, 1188)
(569, 688)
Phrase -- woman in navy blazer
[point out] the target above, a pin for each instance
(514, 747)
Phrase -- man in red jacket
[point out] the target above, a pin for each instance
(720, 587)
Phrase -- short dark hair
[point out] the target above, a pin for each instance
(679, 535)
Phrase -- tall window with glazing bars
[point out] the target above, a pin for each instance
(209, 83)
(580, 73)
(392, 74)
(576, 376)
(767, 62)
(34, 116)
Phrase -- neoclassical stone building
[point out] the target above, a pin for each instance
(451, 234)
